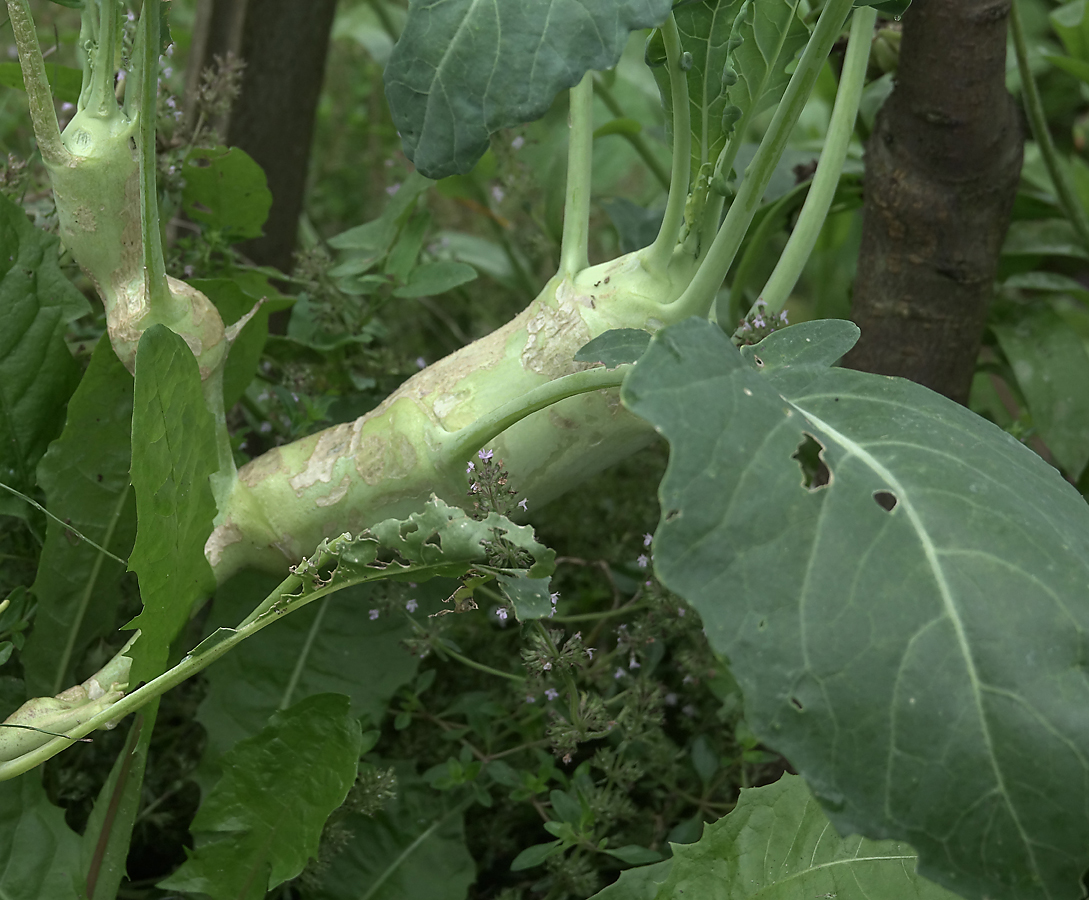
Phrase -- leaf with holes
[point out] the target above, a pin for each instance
(913, 634)
(462, 69)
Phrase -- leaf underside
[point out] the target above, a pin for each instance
(463, 69)
(912, 629)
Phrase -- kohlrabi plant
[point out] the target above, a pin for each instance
(897, 587)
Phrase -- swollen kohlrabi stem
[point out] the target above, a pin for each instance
(1056, 168)
(826, 179)
(700, 293)
(662, 249)
(43, 115)
(460, 445)
(574, 250)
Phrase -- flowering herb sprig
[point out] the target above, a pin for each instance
(758, 324)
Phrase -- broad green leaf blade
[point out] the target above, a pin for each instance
(910, 634)
(641, 883)
(39, 854)
(85, 475)
(1051, 366)
(263, 821)
(1071, 24)
(174, 454)
(615, 348)
(226, 190)
(777, 844)
(108, 835)
(771, 40)
(65, 81)
(436, 278)
(331, 647)
(464, 69)
(37, 373)
(413, 848)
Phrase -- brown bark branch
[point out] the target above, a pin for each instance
(942, 169)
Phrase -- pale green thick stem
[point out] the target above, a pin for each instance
(164, 307)
(574, 251)
(461, 445)
(102, 100)
(700, 294)
(1056, 167)
(826, 179)
(43, 116)
(662, 248)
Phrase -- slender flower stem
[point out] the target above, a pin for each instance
(576, 211)
(480, 667)
(1034, 107)
(638, 143)
(662, 248)
(700, 293)
(826, 179)
(42, 113)
(460, 445)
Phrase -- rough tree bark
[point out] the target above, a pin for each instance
(942, 168)
(284, 44)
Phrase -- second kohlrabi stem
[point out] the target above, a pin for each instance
(826, 179)
(574, 250)
(163, 305)
(700, 293)
(42, 113)
(1056, 167)
(101, 98)
(662, 249)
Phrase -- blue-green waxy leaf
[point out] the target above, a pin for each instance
(225, 189)
(531, 596)
(174, 454)
(615, 348)
(262, 822)
(462, 69)
(85, 475)
(414, 848)
(907, 616)
(777, 843)
(770, 41)
(37, 373)
(640, 883)
(39, 854)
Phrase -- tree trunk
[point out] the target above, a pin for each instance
(284, 44)
(942, 169)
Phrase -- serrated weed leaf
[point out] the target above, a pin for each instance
(85, 476)
(37, 372)
(778, 842)
(463, 69)
(263, 821)
(909, 631)
(174, 455)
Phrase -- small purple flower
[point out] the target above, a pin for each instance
(498, 193)
(633, 663)
(552, 693)
(523, 504)
(590, 652)
(783, 318)
(373, 614)
(393, 188)
(647, 538)
(688, 679)
(421, 363)
(554, 597)
(619, 673)
(670, 699)
(474, 487)
(759, 322)
(547, 667)
(530, 698)
(412, 606)
(485, 455)
(689, 711)
(502, 614)
(518, 143)
(643, 560)
(472, 465)
(681, 611)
